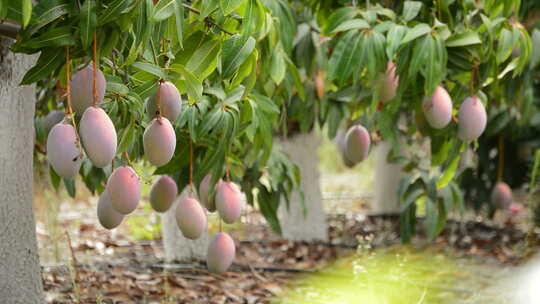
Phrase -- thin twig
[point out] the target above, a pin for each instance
(94, 72)
(206, 19)
(158, 99)
(69, 109)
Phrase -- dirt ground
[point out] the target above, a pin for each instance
(93, 265)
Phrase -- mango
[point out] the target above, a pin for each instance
(63, 151)
(340, 143)
(357, 142)
(220, 254)
(190, 217)
(472, 119)
(52, 118)
(82, 95)
(124, 189)
(159, 141)
(229, 201)
(107, 216)
(170, 102)
(98, 136)
(438, 108)
(204, 192)
(388, 83)
(501, 195)
(163, 193)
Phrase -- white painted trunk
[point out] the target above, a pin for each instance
(387, 178)
(177, 247)
(302, 150)
(20, 274)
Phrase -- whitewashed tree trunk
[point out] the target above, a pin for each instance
(387, 178)
(20, 274)
(177, 247)
(302, 150)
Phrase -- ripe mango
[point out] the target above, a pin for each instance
(229, 201)
(472, 119)
(170, 102)
(204, 193)
(98, 136)
(82, 93)
(438, 108)
(63, 152)
(124, 189)
(220, 254)
(107, 216)
(388, 83)
(501, 195)
(159, 141)
(357, 142)
(190, 217)
(163, 193)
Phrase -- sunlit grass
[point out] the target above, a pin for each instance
(390, 277)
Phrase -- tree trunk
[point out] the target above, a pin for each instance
(296, 225)
(177, 247)
(387, 178)
(20, 274)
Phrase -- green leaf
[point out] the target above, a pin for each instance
(249, 18)
(463, 39)
(45, 12)
(210, 121)
(58, 36)
(113, 11)
(70, 186)
(432, 215)
(55, 179)
(164, 9)
(235, 51)
(268, 204)
(506, 43)
(26, 12)
(277, 65)
(117, 88)
(393, 40)
(411, 10)
(48, 62)
(227, 6)
(193, 84)
(203, 62)
(208, 7)
(179, 20)
(337, 18)
(449, 172)
(350, 25)
(150, 68)
(127, 138)
(88, 22)
(346, 58)
(296, 77)
(417, 31)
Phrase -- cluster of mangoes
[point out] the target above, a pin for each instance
(191, 219)
(123, 190)
(437, 109)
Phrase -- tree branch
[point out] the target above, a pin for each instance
(9, 29)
